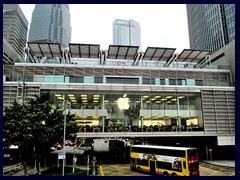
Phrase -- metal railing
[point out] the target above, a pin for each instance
(12, 169)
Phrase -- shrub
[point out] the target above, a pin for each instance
(57, 171)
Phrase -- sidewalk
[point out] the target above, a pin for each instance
(228, 163)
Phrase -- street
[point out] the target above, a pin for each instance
(205, 170)
(123, 170)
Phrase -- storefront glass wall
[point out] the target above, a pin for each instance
(166, 111)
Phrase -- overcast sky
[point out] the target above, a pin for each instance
(162, 25)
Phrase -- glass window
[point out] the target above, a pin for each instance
(98, 80)
(181, 82)
(88, 79)
(75, 79)
(162, 81)
(157, 81)
(146, 81)
(164, 165)
(28, 79)
(56, 79)
(190, 82)
(199, 83)
(172, 81)
(120, 80)
(142, 162)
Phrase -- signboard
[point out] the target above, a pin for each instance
(6, 155)
(61, 155)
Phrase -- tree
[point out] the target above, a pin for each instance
(34, 127)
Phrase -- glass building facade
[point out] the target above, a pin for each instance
(15, 28)
(126, 32)
(51, 23)
(211, 26)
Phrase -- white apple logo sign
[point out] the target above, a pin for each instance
(123, 103)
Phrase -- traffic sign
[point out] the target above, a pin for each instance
(61, 155)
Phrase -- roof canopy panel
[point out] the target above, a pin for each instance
(158, 54)
(84, 50)
(122, 52)
(45, 49)
(190, 55)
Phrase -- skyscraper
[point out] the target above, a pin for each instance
(211, 26)
(15, 28)
(126, 32)
(51, 23)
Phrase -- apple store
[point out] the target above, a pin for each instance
(124, 90)
(136, 112)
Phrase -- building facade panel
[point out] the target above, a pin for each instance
(211, 26)
(51, 23)
(15, 28)
(126, 32)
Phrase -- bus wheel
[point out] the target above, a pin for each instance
(165, 174)
(139, 169)
(174, 174)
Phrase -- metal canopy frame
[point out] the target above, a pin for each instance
(158, 54)
(51, 50)
(84, 50)
(122, 52)
(192, 56)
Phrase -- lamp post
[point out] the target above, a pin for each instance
(74, 156)
(64, 133)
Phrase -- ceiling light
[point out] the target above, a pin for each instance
(58, 95)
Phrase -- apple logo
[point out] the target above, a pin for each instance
(123, 103)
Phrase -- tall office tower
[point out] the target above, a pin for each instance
(211, 26)
(51, 23)
(15, 28)
(126, 32)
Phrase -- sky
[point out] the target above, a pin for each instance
(162, 25)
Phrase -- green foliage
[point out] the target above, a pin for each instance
(57, 171)
(23, 125)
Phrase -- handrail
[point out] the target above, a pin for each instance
(13, 168)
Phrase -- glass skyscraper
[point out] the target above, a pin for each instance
(211, 26)
(126, 32)
(51, 23)
(15, 28)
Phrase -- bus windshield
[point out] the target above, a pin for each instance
(193, 162)
(192, 154)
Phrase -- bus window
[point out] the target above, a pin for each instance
(164, 165)
(192, 154)
(142, 162)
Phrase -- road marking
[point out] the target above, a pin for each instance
(101, 171)
(217, 171)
